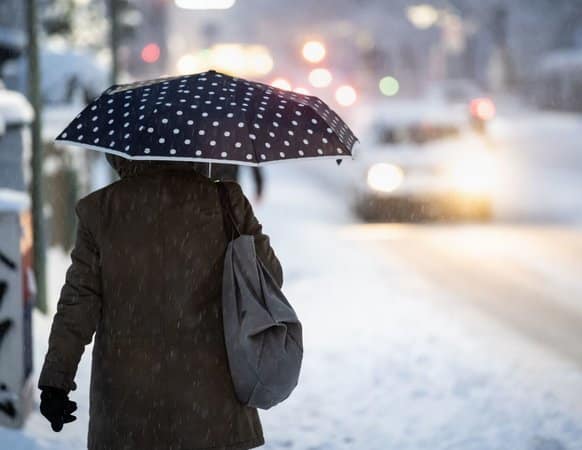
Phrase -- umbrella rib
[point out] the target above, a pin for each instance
(199, 159)
(253, 111)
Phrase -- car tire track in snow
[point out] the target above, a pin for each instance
(494, 275)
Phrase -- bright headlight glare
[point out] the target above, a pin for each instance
(473, 176)
(385, 177)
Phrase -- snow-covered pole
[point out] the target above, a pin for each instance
(114, 42)
(34, 96)
(114, 38)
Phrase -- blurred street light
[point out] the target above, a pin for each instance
(205, 4)
(151, 53)
(233, 59)
(422, 16)
(229, 58)
(281, 83)
(389, 86)
(188, 64)
(320, 78)
(475, 174)
(314, 51)
(259, 60)
(454, 33)
(346, 95)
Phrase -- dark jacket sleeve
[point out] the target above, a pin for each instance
(249, 224)
(78, 309)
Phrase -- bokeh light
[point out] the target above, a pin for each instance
(320, 78)
(151, 53)
(314, 51)
(233, 59)
(483, 108)
(385, 177)
(389, 86)
(422, 16)
(229, 58)
(302, 90)
(259, 60)
(188, 64)
(475, 174)
(346, 95)
(281, 83)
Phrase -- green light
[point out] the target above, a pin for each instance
(389, 86)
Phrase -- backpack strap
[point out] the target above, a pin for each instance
(230, 224)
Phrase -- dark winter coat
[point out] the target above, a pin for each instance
(146, 279)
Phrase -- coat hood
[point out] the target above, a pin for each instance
(130, 167)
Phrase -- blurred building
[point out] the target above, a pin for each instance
(12, 30)
(145, 49)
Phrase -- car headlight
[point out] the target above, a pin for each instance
(473, 175)
(385, 177)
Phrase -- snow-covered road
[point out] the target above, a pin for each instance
(416, 336)
(427, 337)
(542, 161)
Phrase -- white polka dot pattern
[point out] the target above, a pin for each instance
(210, 116)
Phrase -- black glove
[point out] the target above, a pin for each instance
(56, 407)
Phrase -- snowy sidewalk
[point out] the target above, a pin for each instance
(386, 367)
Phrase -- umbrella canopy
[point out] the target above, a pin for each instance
(210, 117)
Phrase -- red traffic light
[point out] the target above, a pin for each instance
(151, 53)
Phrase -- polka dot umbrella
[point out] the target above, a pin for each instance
(210, 117)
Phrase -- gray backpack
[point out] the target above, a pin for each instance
(262, 332)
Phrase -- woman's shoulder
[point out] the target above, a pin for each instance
(91, 201)
(238, 199)
(234, 190)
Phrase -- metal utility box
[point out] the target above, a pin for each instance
(16, 279)
(15, 149)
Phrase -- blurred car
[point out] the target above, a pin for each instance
(454, 92)
(417, 161)
(465, 95)
(69, 75)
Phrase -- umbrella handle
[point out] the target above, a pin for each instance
(210, 170)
